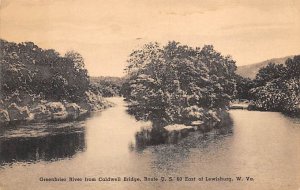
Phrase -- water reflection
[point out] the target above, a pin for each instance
(41, 148)
(159, 135)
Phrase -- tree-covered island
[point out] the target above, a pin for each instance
(179, 88)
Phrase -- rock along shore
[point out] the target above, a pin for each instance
(48, 111)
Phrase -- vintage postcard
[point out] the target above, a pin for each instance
(149, 94)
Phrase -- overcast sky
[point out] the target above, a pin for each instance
(105, 32)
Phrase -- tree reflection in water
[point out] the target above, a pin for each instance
(157, 134)
(42, 148)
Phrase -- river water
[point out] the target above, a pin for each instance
(264, 146)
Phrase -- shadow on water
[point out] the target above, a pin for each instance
(40, 145)
(158, 135)
(171, 149)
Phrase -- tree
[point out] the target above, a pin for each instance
(77, 59)
(243, 87)
(293, 67)
(277, 87)
(28, 69)
(270, 72)
(164, 81)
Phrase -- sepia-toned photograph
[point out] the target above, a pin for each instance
(149, 94)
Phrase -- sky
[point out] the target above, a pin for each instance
(105, 32)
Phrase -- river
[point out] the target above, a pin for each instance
(262, 145)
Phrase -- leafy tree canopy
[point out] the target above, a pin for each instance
(277, 87)
(165, 80)
(29, 70)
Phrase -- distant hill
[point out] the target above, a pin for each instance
(250, 71)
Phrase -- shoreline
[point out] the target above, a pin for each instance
(49, 112)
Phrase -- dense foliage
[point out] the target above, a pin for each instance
(278, 87)
(177, 82)
(243, 86)
(107, 86)
(29, 72)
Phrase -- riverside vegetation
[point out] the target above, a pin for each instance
(277, 88)
(41, 85)
(107, 86)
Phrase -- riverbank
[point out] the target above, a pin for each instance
(242, 104)
(51, 111)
